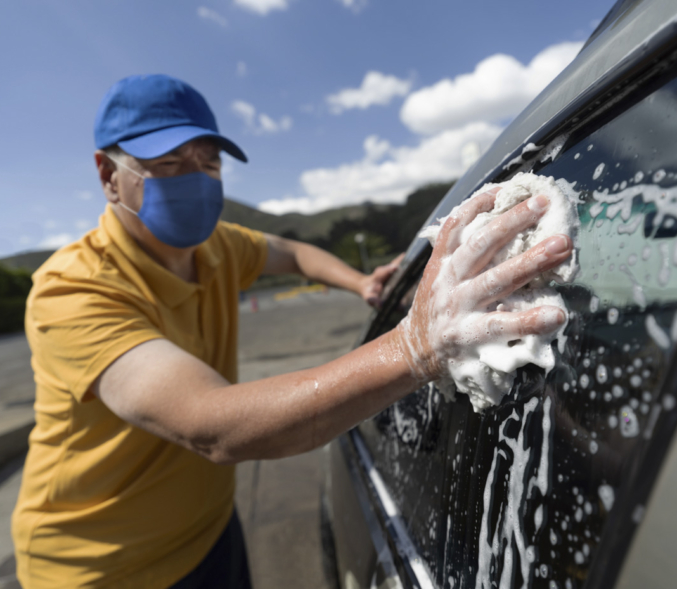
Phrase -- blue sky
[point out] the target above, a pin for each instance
(334, 101)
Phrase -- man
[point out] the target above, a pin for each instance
(129, 480)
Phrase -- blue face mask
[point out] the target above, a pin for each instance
(181, 211)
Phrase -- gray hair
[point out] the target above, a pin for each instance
(114, 151)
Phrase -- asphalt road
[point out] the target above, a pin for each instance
(278, 500)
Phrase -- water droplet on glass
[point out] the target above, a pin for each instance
(598, 171)
(593, 447)
(601, 374)
(584, 381)
(612, 315)
(629, 425)
(612, 421)
(638, 514)
(639, 176)
(636, 381)
(531, 554)
(594, 304)
(658, 176)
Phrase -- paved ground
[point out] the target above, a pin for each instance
(278, 500)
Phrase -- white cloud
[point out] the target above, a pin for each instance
(354, 5)
(245, 111)
(56, 241)
(208, 14)
(84, 194)
(376, 88)
(241, 69)
(386, 173)
(259, 123)
(498, 89)
(262, 7)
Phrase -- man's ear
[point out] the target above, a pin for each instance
(107, 175)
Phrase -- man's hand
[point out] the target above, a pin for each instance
(447, 314)
(371, 287)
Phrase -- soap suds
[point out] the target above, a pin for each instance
(505, 538)
(487, 371)
(519, 160)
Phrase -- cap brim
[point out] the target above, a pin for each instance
(157, 143)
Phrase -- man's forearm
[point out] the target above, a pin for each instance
(313, 263)
(300, 411)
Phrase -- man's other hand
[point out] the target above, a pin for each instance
(373, 284)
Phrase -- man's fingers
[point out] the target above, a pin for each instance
(450, 234)
(481, 247)
(506, 327)
(498, 282)
(395, 264)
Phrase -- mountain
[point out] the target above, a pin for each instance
(26, 260)
(296, 225)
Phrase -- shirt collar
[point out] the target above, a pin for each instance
(171, 289)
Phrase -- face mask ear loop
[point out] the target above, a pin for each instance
(124, 206)
(119, 163)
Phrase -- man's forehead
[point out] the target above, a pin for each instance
(203, 144)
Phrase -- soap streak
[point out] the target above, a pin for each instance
(509, 530)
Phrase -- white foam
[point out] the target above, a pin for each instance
(656, 332)
(486, 371)
(505, 537)
(607, 495)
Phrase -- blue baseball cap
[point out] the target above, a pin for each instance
(148, 116)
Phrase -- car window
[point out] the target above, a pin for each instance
(545, 490)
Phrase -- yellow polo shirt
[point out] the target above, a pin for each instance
(103, 503)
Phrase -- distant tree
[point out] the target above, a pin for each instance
(290, 234)
(348, 249)
(14, 288)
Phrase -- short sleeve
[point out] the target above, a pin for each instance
(250, 248)
(77, 330)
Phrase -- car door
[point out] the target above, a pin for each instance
(547, 489)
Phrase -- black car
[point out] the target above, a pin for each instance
(570, 481)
